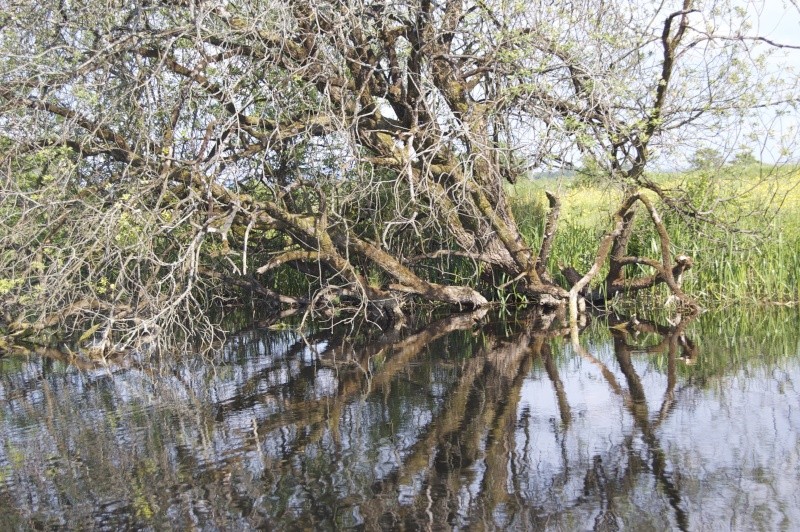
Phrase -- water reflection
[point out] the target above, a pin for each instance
(465, 422)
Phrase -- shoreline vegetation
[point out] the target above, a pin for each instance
(747, 253)
(188, 160)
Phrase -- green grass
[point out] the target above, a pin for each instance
(751, 253)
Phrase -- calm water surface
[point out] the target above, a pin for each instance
(466, 422)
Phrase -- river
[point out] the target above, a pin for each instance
(464, 422)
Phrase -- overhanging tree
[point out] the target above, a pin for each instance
(162, 158)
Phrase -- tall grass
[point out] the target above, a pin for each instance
(751, 253)
(760, 267)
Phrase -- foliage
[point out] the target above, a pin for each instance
(744, 158)
(706, 159)
(165, 160)
(746, 253)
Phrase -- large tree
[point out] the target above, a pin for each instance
(160, 158)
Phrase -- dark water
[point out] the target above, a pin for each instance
(464, 423)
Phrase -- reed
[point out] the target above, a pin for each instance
(749, 253)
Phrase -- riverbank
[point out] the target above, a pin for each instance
(744, 237)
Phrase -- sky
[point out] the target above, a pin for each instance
(771, 138)
(779, 21)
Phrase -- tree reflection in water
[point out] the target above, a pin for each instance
(462, 423)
